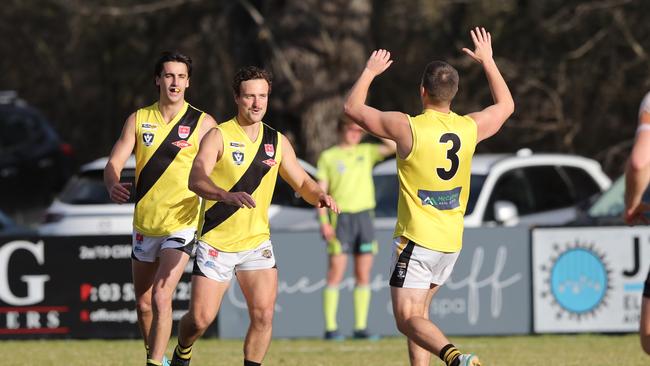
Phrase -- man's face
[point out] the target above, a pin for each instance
(252, 100)
(172, 81)
(352, 134)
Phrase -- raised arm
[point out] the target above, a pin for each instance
(490, 119)
(210, 152)
(637, 171)
(299, 180)
(390, 125)
(119, 192)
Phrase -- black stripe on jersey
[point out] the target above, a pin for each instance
(402, 265)
(248, 182)
(165, 154)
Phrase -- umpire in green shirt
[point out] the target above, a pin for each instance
(345, 172)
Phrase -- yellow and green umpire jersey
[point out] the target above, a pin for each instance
(434, 180)
(164, 153)
(348, 173)
(245, 166)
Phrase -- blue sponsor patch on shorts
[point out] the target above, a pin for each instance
(442, 200)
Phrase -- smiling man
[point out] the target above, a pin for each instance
(166, 138)
(235, 172)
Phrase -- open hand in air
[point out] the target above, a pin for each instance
(482, 45)
(379, 61)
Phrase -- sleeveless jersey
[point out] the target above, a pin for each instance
(348, 173)
(164, 153)
(245, 166)
(434, 180)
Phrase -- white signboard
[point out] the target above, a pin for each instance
(589, 279)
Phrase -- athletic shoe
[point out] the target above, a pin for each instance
(177, 361)
(468, 359)
(333, 335)
(363, 334)
(165, 361)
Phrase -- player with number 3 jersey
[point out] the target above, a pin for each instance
(434, 155)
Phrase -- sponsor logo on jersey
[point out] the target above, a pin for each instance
(147, 138)
(237, 144)
(183, 131)
(442, 200)
(149, 126)
(269, 150)
(270, 162)
(181, 144)
(238, 157)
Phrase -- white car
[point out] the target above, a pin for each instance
(85, 208)
(511, 189)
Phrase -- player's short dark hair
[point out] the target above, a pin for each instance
(250, 73)
(440, 80)
(172, 56)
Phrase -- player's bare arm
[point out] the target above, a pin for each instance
(490, 119)
(210, 151)
(326, 229)
(119, 192)
(390, 125)
(207, 124)
(299, 180)
(637, 174)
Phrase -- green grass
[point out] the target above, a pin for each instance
(502, 351)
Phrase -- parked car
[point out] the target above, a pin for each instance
(85, 208)
(511, 189)
(34, 162)
(607, 209)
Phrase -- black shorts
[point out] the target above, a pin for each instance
(354, 234)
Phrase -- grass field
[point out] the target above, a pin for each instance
(498, 351)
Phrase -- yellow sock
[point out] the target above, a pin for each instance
(330, 307)
(361, 306)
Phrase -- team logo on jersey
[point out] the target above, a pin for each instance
(149, 126)
(270, 162)
(183, 131)
(213, 253)
(147, 138)
(269, 150)
(238, 157)
(237, 144)
(267, 253)
(181, 144)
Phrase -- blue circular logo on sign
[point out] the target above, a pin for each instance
(579, 280)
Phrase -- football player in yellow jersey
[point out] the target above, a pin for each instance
(165, 137)
(637, 177)
(345, 172)
(235, 172)
(434, 152)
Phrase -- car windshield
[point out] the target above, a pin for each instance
(387, 186)
(87, 188)
(611, 203)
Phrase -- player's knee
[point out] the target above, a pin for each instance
(199, 322)
(143, 305)
(162, 301)
(262, 317)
